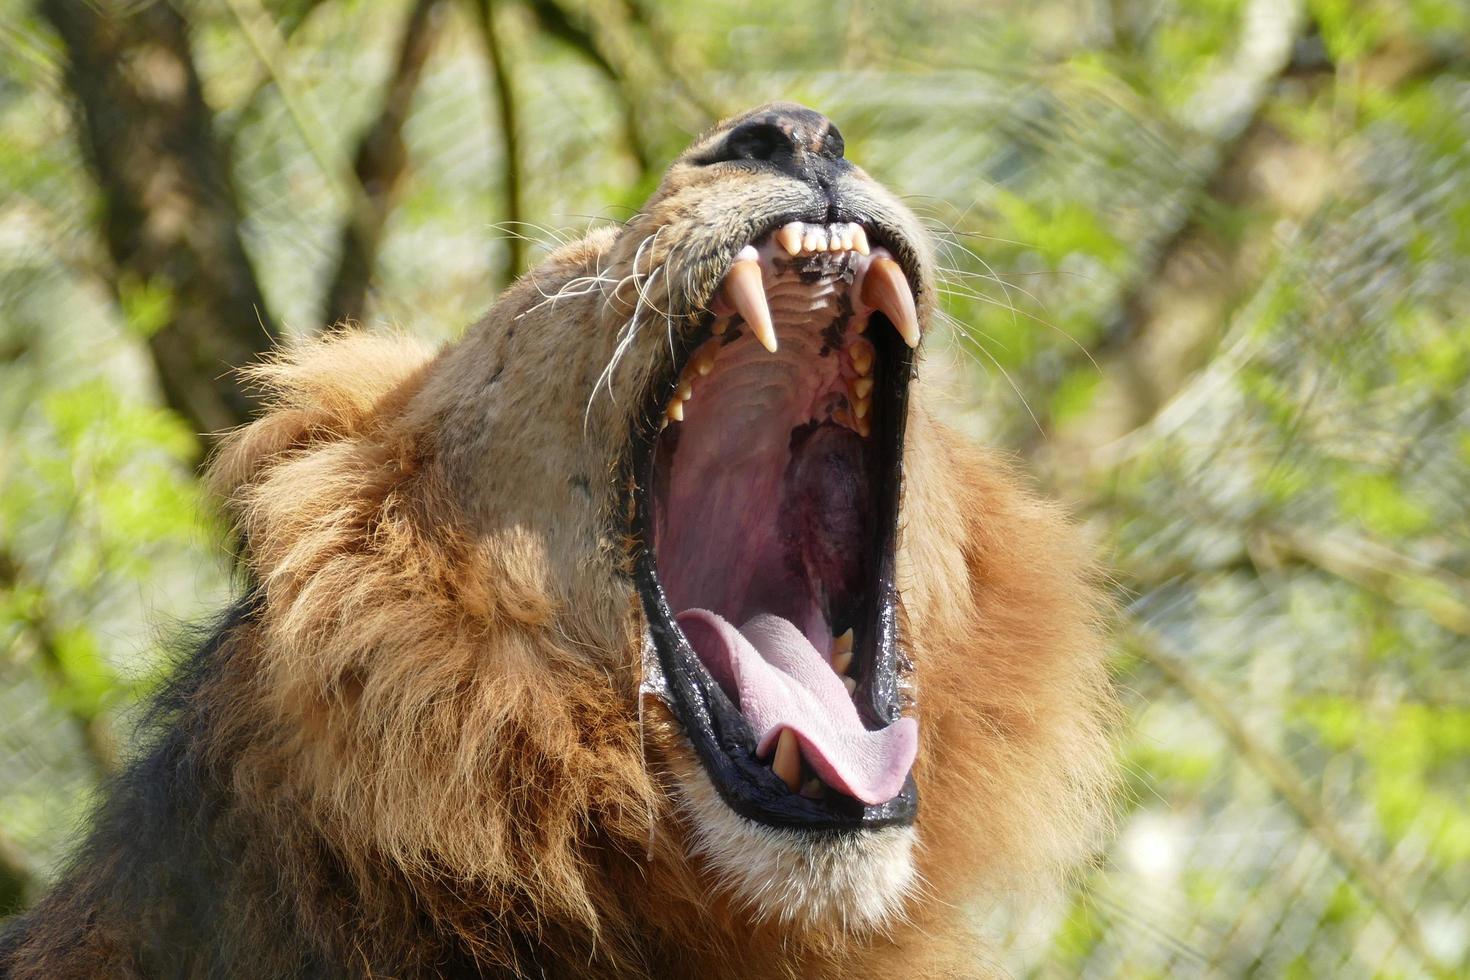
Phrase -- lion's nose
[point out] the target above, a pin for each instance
(796, 139)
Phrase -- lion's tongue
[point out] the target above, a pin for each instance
(781, 681)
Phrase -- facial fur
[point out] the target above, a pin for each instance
(441, 677)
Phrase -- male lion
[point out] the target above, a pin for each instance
(654, 629)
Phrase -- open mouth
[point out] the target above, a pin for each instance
(765, 506)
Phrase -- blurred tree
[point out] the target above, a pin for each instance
(171, 221)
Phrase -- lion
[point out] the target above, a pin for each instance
(655, 628)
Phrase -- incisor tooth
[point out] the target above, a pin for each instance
(787, 763)
(860, 238)
(815, 240)
(886, 290)
(789, 237)
(746, 291)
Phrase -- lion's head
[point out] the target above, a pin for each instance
(658, 611)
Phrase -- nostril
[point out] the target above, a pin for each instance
(756, 140)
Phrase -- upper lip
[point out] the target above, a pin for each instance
(715, 729)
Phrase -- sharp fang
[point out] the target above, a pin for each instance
(787, 763)
(746, 292)
(789, 237)
(859, 238)
(886, 290)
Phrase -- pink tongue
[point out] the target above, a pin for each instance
(783, 682)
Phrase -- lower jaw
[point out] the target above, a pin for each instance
(828, 886)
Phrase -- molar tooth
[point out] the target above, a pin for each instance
(842, 643)
(686, 390)
(860, 408)
(746, 291)
(864, 427)
(860, 387)
(886, 290)
(850, 684)
(789, 237)
(675, 411)
(861, 353)
(859, 238)
(787, 762)
(812, 789)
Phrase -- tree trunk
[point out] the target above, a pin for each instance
(171, 218)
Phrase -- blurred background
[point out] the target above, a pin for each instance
(1206, 271)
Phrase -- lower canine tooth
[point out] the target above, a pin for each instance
(787, 763)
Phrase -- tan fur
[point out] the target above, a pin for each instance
(443, 678)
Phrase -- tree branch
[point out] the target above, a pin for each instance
(379, 164)
(500, 77)
(1288, 784)
(171, 221)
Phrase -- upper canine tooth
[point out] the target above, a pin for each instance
(789, 237)
(746, 291)
(885, 289)
(859, 238)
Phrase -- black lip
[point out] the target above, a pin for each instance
(714, 726)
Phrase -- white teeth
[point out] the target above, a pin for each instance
(861, 354)
(842, 652)
(886, 290)
(789, 237)
(797, 238)
(745, 290)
